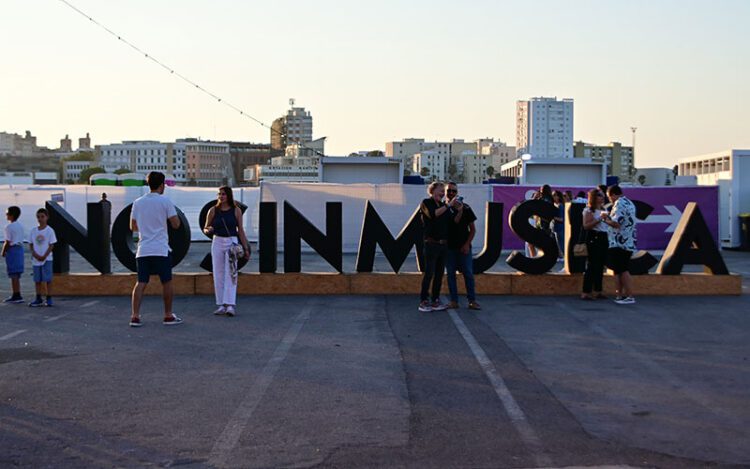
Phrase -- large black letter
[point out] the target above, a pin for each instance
(692, 244)
(206, 263)
(519, 224)
(297, 228)
(375, 233)
(267, 234)
(124, 245)
(493, 238)
(92, 243)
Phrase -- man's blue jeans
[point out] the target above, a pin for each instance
(454, 260)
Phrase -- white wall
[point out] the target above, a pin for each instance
(386, 173)
(571, 175)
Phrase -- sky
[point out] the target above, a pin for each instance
(372, 72)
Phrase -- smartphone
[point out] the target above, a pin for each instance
(460, 199)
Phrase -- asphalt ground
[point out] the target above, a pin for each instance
(368, 381)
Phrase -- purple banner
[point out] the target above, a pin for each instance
(654, 232)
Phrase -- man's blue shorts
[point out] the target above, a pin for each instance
(154, 265)
(14, 261)
(43, 273)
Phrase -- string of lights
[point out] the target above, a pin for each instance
(179, 75)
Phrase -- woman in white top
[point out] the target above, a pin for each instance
(597, 244)
(224, 225)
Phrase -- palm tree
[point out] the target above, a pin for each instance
(424, 172)
(490, 171)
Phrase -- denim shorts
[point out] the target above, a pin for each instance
(14, 261)
(154, 265)
(43, 273)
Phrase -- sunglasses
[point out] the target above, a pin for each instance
(451, 191)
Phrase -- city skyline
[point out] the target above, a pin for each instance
(371, 74)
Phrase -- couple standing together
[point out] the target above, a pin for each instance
(448, 232)
(149, 217)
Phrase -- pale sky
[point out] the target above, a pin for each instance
(372, 72)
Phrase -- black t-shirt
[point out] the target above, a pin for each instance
(458, 233)
(435, 228)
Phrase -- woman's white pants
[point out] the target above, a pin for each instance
(224, 287)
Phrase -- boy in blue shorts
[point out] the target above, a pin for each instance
(13, 253)
(42, 239)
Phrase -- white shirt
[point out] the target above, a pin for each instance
(40, 241)
(150, 213)
(601, 226)
(14, 233)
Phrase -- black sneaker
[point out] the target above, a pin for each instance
(135, 322)
(14, 299)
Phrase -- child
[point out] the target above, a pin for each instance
(42, 240)
(13, 253)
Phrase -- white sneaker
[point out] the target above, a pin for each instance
(425, 307)
(220, 311)
(628, 300)
(230, 311)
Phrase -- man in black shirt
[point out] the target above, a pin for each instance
(436, 219)
(461, 231)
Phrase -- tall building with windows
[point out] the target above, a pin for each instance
(294, 127)
(618, 158)
(144, 156)
(208, 163)
(544, 128)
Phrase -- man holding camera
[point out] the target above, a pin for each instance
(461, 232)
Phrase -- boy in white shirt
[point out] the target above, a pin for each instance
(13, 253)
(42, 239)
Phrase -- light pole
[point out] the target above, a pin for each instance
(632, 163)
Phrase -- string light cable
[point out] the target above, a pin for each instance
(179, 75)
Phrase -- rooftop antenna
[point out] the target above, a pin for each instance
(291, 102)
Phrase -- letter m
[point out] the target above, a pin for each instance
(375, 233)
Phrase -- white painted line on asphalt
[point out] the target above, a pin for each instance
(230, 436)
(85, 305)
(679, 386)
(12, 334)
(523, 427)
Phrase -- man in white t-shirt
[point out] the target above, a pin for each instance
(42, 239)
(149, 217)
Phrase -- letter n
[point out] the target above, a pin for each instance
(92, 243)
(375, 233)
(298, 228)
(692, 243)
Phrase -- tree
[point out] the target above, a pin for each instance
(353, 154)
(676, 171)
(452, 170)
(642, 179)
(81, 156)
(424, 172)
(375, 153)
(407, 172)
(490, 171)
(122, 171)
(88, 172)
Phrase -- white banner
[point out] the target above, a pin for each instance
(75, 197)
(395, 203)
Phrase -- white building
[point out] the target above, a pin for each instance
(654, 177)
(72, 170)
(475, 168)
(730, 170)
(556, 171)
(544, 128)
(145, 156)
(361, 169)
(453, 151)
(434, 164)
(282, 173)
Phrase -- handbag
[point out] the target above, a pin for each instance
(236, 252)
(581, 249)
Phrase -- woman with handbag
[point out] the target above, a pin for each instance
(224, 224)
(595, 233)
